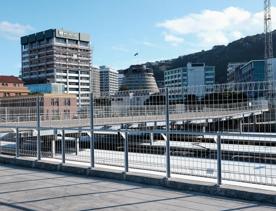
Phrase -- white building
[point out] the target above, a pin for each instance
(193, 74)
(109, 80)
(58, 56)
(191, 77)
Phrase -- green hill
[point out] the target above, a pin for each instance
(242, 50)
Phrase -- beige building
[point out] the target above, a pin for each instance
(12, 86)
(52, 107)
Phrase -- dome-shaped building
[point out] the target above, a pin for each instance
(138, 77)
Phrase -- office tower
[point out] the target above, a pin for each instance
(109, 80)
(58, 56)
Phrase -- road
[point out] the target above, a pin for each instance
(28, 189)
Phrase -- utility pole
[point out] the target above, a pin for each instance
(268, 40)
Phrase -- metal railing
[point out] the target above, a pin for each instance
(224, 132)
(218, 159)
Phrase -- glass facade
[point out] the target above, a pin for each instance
(249, 72)
(190, 76)
(47, 88)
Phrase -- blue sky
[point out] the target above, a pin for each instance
(157, 29)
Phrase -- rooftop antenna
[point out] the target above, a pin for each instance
(268, 40)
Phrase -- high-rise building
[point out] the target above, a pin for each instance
(120, 79)
(109, 81)
(58, 56)
(96, 81)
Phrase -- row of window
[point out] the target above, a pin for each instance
(56, 102)
(72, 42)
(36, 44)
(7, 94)
(14, 84)
(56, 115)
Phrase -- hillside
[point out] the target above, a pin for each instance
(243, 50)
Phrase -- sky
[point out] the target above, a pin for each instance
(156, 29)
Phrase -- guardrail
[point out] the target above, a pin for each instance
(226, 135)
(250, 158)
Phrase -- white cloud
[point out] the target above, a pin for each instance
(172, 39)
(211, 27)
(13, 31)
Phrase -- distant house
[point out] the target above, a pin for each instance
(12, 86)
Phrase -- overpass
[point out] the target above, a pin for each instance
(175, 114)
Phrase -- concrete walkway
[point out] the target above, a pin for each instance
(28, 189)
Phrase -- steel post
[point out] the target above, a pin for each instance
(219, 177)
(92, 148)
(168, 159)
(63, 146)
(53, 144)
(17, 143)
(38, 141)
(126, 151)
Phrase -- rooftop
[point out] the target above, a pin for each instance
(59, 33)
(10, 79)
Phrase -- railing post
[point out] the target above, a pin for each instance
(53, 144)
(38, 143)
(6, 114)
(92, 148)
(219, 178)
(126, 151)
(168, 159)
(17, 143)
(63, 146)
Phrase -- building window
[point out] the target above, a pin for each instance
(73, 42)
(60, 40)
(55, 115)
(66, 114)
(67, 102)
(82, 43)
(25, 47)
(54, 102)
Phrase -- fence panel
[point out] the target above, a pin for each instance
(190, 118)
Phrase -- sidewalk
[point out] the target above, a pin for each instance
(30, 189)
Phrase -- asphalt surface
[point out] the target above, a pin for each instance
(28, 190)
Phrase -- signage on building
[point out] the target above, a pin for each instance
(67, 35)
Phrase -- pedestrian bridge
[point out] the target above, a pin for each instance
(176, 113)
